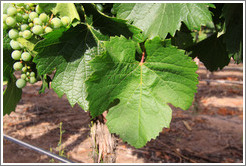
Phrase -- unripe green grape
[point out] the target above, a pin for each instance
(37, 29)
(38, 9)
(99, 7)
(48, 29)
(11, 11)
(65, 20)
(25, 56)
(23, 76)
(25, 16)
(32, 80)
(28, 67)
(17, 66)
(32, 74)
(37, 21)
(27, 79)
(28, 73)
(27, 34)
(10, 21)
(20, 33)
(33, 15)
(30, 25)
(13, 34)
(20, 83)
(56, 23)
(15, 45)
(16, 55)
(4, 17)
(43, 17)
(24, 27)
(24, 69)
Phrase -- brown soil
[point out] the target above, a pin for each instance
(211, 131)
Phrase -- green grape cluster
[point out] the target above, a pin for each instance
(28, 21)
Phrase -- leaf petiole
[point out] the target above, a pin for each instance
(142, 60)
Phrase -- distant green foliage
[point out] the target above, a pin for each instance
(233, 14)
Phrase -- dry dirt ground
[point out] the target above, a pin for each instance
(211, 131)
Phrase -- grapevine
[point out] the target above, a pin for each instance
(28, 21)
(131, 59)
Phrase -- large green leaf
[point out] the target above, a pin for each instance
(212, 52)
(68, 51)
(143, 90)
(7, 59)
(233, 14)
(11, 96)
(53, 40)
(163, 18)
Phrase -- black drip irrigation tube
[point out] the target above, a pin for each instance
(14, 140)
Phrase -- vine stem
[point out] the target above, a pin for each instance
(49, 20)
(142, 60)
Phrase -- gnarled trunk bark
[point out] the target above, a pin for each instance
(103, 142)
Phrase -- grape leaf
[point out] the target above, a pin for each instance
(183, 38)
(28, 44)
(143, 89)
(196, 14)
(233, 14)
(163, 18)
(212, 52)
(66, 9)
(47, 7)
(68, 51)
(110, 26)
(11, 96)
(50, 39)
(7, 59)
